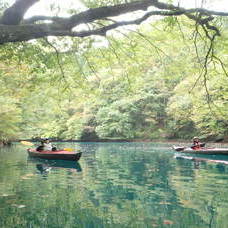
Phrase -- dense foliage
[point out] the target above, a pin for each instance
(140, 84)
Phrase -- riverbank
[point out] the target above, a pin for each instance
(5, 143)
(218, 140)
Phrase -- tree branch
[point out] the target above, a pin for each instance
(14, 14)
(13, 29)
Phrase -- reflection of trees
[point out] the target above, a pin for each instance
(132, 185)
(121, 185)
(204, 191)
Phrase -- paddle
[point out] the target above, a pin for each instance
(27, 143)
(178, 148)
(68, 149)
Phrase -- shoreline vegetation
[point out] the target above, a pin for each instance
(220, 140)
(5, 143)
(119, 140)
(108, 140)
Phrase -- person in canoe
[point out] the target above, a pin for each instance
(46, 146)
(196, 144)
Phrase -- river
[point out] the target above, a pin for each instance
(113, 185)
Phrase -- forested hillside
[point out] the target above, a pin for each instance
(146, 83)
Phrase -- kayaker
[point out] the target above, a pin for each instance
(197, 144)
(46, 146)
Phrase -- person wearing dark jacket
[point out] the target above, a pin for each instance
(197, 144)
(45, 146)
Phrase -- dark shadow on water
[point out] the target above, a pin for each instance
(43, 169)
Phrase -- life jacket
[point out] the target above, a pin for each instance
(47, 146)
(196, 146)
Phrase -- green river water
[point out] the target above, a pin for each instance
(113, 185)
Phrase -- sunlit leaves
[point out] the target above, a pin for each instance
(10, 116)
(141, 83)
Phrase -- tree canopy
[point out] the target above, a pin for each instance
(165, 79)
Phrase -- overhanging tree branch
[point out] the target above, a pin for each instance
(14, 14)
(13, 28)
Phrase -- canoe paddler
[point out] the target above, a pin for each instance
(196, 144)
(45, 146)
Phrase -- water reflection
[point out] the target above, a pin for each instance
(44, 169)
(45, 166)
(220, 161)
(113, 185)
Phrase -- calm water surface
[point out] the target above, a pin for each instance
(113, 185)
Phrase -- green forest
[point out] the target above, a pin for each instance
(163, 79)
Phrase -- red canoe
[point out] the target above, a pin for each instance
(55, 155)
